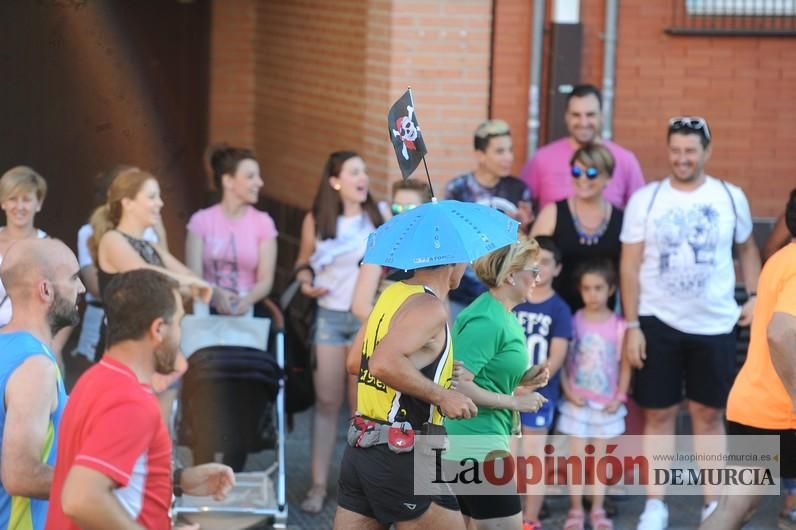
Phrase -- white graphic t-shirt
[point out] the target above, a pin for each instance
(687, 274)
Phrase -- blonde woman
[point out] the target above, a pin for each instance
(22, 192)
(490, 343)
(117, 246)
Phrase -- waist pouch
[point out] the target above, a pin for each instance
(399, 436)
(364, 432)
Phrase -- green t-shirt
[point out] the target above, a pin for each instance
(490, 342)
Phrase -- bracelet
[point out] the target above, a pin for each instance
(303, 267)
(177, 480)
(621, 397)
(632, 324)
(751, 294)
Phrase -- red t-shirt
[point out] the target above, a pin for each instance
(112, 424)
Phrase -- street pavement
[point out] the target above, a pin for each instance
(683, 510)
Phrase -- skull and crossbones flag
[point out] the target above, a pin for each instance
(405, 134)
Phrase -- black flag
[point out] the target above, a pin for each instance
(405, 134)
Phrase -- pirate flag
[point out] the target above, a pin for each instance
(405, 134)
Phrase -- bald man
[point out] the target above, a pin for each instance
(42, 280)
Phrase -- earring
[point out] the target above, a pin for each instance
(337, 187)
(512, 282)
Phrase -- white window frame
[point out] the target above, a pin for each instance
(763, 8)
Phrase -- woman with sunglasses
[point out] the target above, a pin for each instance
(373, 279)
(489, 342)
(585, 226)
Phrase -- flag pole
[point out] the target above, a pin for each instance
(430, 187)
(428, 176)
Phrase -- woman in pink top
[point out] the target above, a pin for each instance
(232, 244)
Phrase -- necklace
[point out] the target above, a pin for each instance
(586, 235)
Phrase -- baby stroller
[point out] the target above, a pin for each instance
(232, 402)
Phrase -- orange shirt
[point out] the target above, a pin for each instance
(758, 398)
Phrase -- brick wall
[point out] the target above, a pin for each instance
(309, 89)
(443, 50)
(742, 85)
(297, 80)
(511, 71)
(232, 60)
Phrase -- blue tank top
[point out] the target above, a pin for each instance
(23, 513)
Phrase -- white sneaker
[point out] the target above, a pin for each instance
(708, 509)
(655, 516)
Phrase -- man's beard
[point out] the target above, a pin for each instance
(62, 314)
(165, 356)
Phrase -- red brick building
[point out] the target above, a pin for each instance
(87, 85)
(299, 79)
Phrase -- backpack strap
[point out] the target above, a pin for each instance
(649, 206)
(734, 209)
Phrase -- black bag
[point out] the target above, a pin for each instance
(299, 311)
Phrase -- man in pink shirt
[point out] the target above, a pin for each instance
(547, 174)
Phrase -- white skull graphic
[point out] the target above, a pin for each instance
(407, 130)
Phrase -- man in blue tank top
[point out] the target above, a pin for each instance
(42, 280)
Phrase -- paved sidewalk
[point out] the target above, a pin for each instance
(683, 511)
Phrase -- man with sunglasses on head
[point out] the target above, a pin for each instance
(678, 294)
(547, 172)
(489, 184)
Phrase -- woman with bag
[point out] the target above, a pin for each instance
(333, 239)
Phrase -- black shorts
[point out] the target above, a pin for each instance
(787, 444)
(489, 506)
(377, 483)
(705, 363)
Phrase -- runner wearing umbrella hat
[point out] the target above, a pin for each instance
(406, 364)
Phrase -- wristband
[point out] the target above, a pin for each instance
(303, 267)
(177, 479)
(621, 397)
(632, 324)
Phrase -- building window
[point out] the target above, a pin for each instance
(733, 17)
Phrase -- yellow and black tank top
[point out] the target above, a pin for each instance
(378, 401)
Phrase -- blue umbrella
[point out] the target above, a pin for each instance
(440, 233)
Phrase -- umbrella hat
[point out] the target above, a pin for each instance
(440, 233)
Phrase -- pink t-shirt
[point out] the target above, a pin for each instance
(230, 247)
(595, 353)
(548, 176)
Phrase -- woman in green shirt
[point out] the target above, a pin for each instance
(490, 344)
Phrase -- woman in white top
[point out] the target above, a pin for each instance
(22, 193)
(333, 240)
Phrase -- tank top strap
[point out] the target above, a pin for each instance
(564, 232)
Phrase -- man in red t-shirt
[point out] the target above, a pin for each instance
(113, 467)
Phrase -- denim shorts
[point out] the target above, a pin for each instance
(336, 328)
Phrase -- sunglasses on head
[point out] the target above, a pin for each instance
(590, 172)
(400, 208)
(692, 123)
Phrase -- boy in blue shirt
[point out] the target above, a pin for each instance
(547, 320)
